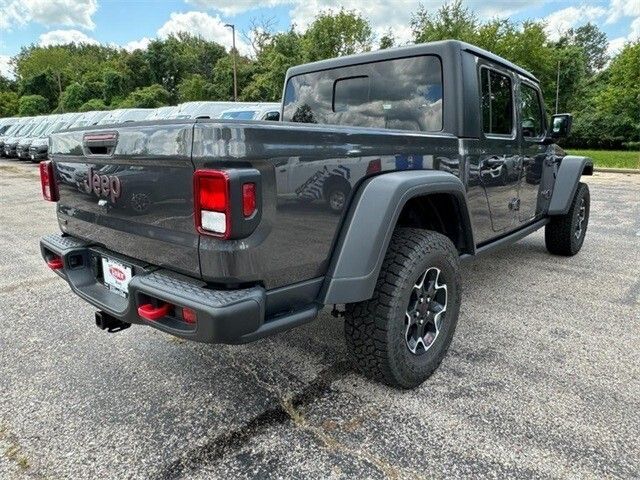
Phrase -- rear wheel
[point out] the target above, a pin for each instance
(565, 234)
(402, 333)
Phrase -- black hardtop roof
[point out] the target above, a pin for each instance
(407, 51)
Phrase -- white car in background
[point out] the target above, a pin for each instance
(260, 111)
(208, 109)
(125, 115)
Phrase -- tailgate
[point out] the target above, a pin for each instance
(130, 190)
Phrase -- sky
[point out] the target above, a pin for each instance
(131, 24)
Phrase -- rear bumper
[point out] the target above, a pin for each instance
(223, 316)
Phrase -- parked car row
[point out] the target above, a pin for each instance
(27, 138)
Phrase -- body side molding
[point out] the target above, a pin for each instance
(369, 224)
(569, 173)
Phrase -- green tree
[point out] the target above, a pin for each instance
(93, 104)
(387, 40)
(9, 104)
(74, 96)
(452, 21)
(221, 87)
(153, 96)
(281, 52)
(194, 88)
(137, 70)
(593, 43)
(116, 86)
(335, 35)
(43, 83)
(172, 59)
(33, 105)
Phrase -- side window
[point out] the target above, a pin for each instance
(350, 93)
(531, 111)
(497, 102)
(398, 94)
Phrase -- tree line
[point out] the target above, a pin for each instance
(603, 93)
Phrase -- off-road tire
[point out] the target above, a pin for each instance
(560, 234)
(375, 329)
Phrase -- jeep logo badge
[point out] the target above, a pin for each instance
(103, 185)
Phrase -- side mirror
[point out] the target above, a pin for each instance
(272, 117)
(561, 125)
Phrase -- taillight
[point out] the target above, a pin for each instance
(212, 202)
(227, 202)
(248, 199)
(48, 181)
(374, 166)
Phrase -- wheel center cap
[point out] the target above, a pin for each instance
(423, 308)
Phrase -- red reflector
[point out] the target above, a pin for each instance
(213, 191)
(55, 263)
(189, 316)
(48, 181)
(150, 312)
(374, 166)
(248, 199)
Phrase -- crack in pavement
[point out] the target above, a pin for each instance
(288, 409)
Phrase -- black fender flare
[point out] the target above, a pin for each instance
(566, 183)
(369, 223)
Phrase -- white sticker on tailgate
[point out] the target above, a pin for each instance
(116, 276)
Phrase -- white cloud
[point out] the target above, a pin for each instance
(6, 70)
(623, 8)
(635, 30)
(141, 44)
(615, 46)
(64, 37)
(383, 14)
(559, 22)
(203, 25)
(234, 7)
(47, 12)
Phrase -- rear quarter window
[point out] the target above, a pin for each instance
(399, 94)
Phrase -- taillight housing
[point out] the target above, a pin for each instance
(227, 202)
(212, 202)
(48, 181)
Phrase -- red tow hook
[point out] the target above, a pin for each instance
(149, 312)
(55, 263)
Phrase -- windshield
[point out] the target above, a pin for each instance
(55, 126)
(134, 115)
(14, 128)
(42, 126)
(110, 118)
(240, 114)
(26, 128)
(6, 128)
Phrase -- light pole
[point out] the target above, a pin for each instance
(235, 73)
(558, 86)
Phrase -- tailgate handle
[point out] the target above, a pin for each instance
(100, 143)
(149, 312)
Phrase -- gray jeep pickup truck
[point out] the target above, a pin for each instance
(200, 228)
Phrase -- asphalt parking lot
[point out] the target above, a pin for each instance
(542, 378)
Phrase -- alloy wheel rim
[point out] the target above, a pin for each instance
(582, 215)
(424, 315)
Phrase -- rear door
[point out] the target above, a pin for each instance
(499, 164)
(130, 190)
(532, 122)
